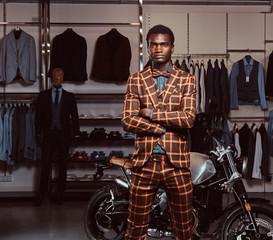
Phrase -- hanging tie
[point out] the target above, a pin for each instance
(57, 97)
(156, 73)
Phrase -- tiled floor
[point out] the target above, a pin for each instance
(21, 220)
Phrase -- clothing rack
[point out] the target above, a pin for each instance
(246, 50)
(248, 119)
(201, 55)
(16, 101)
(20, 23)
(268, 41)
(85, 24)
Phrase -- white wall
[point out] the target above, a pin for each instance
(208, 25)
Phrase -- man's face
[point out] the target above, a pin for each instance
(57, 78)
(160, 48)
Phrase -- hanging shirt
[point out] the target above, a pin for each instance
(270, 133)
(202, 88)
(234, 102)
(256, 172)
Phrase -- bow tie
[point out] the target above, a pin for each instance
(156, 73)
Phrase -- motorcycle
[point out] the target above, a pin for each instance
(214, 176)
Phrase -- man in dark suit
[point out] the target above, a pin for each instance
(159, 107)
(52, 125)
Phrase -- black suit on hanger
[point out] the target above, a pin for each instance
(112, 57)
(69, 52)
(217, 86)
(210, 97)
(224, 89)
(269, 77)
(55, 138)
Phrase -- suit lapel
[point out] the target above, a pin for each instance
(12, 41)
(171, 84)
(150, 86)
(21, 43)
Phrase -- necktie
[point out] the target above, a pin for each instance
(57, 97)
(156, 73)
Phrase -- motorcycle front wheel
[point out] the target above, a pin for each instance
(236, 225)
(103, 219)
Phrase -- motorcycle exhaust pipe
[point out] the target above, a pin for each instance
(122, 182)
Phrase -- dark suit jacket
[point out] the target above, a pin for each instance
(176, 112)
(69, 52)
(269, 77)
(224, 89)
(210, 109)
(112, 57)
(43, 113)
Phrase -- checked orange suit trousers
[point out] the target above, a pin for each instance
(159, 172)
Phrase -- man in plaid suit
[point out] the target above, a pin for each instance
(159, 107)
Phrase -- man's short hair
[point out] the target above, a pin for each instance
(160, 29)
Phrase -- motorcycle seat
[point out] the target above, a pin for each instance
(122, 162)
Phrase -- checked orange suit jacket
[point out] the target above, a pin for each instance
(174, 109)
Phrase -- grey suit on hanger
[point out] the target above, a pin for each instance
(18, 54)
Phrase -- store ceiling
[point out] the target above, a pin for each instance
(158, 2)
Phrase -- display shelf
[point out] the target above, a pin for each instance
(108, 142)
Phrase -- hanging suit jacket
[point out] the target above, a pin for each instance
(19, 55)
(217, 86)
(210, 109)
(112, 57)
(269, 77)
(43, 115)
(224, 89)
(174, 110)
(69, 52)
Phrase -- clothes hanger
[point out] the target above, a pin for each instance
(248, 56)
(17, 32)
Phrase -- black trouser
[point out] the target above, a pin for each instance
(55, 140)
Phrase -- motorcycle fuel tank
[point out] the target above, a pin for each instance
(202, 168)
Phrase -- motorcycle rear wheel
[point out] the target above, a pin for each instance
(235, 224)
(98, 225)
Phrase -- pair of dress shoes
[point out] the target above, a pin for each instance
(80, 156)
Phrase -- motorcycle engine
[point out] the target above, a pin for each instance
(161, 225)
(163, 202)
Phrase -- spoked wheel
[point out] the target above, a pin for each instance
(105, 220)
(236, 225)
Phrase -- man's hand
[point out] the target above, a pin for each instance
(145, 112)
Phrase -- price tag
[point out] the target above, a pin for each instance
(247, 78)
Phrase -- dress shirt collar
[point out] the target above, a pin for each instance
(250, 62)
(54, 89)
